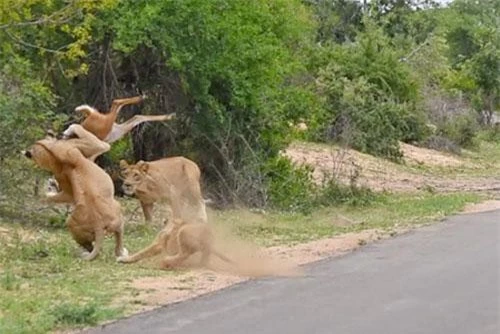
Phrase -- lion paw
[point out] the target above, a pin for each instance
(85, 255)
(123, 253)
(49, 195)
(69, 132)
(122, 259)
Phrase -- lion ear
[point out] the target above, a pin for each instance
(123, 164)
(143, 166)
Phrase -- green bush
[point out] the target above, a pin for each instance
(440, 143)
(238, 67)
(75, 314)
(290, 187)
(370, 96)
(491, 134)
(364, 120)
(462, 130)
(26, 107)
(334, 193)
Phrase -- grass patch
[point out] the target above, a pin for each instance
(44, 286)
(387, 212)
(68, 314)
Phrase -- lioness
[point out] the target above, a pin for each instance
(175, 180)
(104, 126)
(187, 239)
(86, 186)
(88, 144)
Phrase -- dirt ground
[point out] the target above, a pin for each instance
(375, 173)
(379, 174)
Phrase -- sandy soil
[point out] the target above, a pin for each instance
(379, 174)
(482, 207)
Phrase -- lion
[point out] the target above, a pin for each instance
(88, 144)
(104, 126)
(186, 238)
(86, 186)
(175, 180)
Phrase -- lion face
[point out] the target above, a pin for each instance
(41, 156)
(133, 176)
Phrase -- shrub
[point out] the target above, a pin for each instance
(462, 130)
(440, 143)
(234, 65)
(75, 314)
(491, 134)
(370, 96)
(366, 121)
(290, 187)
(334, 193)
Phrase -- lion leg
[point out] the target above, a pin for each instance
(99, 239)
(119, 249)
(60, 197)
(87, 142)
(118, 131)
(182, 254)
(147, 209)
(82, 238)
(174, 260)
(154, 249)
(118, 104)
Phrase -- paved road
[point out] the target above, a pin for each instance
(440, 279)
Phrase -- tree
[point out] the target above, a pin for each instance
(473, 33)
(229, 65)
(40, 40)
(338, 20)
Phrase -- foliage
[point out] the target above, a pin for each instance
(24, 101)
(398, 17)
(232, 58)
(54, 33)
(291, 188)
(71, 314)
(491, 134)
(475, 51)
(461, 130)
(338, 20)
(370, 98)
(241, 74)
(334, 193)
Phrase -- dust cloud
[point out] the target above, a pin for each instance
(246, 258)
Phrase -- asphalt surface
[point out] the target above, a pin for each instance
(443, 279)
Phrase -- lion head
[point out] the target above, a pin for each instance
(41, 154)
(135, 177)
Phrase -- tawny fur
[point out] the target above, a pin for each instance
(104, 126)
(174, 180)
(88, 144)
(84, 185)
(186, 239)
